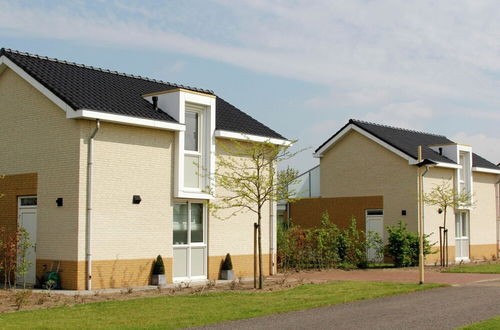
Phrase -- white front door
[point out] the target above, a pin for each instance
(27, 206)
(462, 236)
(190, 241)
(375, 223)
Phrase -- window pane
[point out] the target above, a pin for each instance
(28, 201)
(192, 171)
(180, 224)
(465, 227)
(458, 227)
(191, 134)
(196, 223)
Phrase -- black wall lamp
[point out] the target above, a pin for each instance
(403, 212)
(59, 202)
(136, 199)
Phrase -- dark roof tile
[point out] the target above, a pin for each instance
(86, 87)
(407, 141)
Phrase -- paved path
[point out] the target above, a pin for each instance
(442, 308)
(406, 275)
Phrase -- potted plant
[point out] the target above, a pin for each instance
(158, 277)
(227, 272)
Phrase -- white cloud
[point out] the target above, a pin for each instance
(397, 62)
(485, 146)
(404, 114)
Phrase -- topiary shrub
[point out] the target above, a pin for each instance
(403, 245)
(159, 267)
(227, 264)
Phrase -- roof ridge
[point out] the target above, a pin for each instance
(8, 50)
(393, 127)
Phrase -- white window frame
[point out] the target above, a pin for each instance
(189, 244)
(200, 110)
(27, 206)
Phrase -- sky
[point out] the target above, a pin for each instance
(301, 67)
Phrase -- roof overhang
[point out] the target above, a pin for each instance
(5, 61)
(86, 113)
(249, 137)
(352, 127)
(127, 120)
(486, 170)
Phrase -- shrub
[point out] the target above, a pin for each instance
(159, 267)
(326, 246)
(403, 245)
(227, 264)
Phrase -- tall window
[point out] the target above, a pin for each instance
(193, 147)
(461, 173)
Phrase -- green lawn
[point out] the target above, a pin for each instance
(493, 323)
(183, 311)
(482, 269)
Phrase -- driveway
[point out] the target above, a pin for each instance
(402, 275)
(442, 308)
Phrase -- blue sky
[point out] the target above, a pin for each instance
(302, 67)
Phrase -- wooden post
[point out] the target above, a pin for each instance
(420, 219)
(255, 226)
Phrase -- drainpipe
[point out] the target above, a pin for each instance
(497, 193)
(88, 241)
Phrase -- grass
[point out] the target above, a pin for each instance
(493, 323)
(481, 269)
(168, 312)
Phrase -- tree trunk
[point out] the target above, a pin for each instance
(445, 243)
(261, 277)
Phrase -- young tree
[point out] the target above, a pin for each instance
(444, 196)
(247, 178)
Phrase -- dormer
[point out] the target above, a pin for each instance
(462, 155)
(195, 146)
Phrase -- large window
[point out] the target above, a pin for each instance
(193, 147)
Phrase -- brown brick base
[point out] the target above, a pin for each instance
(106, 273)
(242, 265)
(476, 252)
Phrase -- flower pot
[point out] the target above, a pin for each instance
(227, 275)
(158, 280)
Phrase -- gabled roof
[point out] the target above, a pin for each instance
(407, 141)
(86, 87)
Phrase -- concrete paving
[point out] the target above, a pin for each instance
(402, 275)
(442, 308)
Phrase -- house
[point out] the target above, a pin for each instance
(377, 165)
(104, 170)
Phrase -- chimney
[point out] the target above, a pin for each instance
(155, 102)
(441, 151)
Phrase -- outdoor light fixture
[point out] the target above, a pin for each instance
(403, 212)
(59, 202)
(136, 199)
(440, 210)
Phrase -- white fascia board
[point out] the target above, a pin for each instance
(194, 195)
(486, 170)
(128, 120)
(249, 137)
(372, 137)
(448, 165)
(33, 82)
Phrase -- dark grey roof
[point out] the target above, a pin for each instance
(86, 87)
(407, 141)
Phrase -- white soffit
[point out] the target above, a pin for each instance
(486, 170)
(121, 119)
(87, 113)
(248, 137)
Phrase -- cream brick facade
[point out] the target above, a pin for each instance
(236, 234)
(357, 166)
(37, 138)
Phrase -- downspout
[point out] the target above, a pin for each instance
(497, 201)
(88, 238)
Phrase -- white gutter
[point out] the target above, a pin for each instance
(249, 137)
(88, 237)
